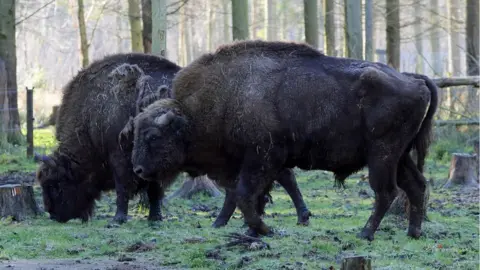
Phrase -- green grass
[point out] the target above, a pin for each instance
(450, 241)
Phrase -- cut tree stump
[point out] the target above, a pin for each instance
(195, 185)
(356, 263)
(463, 170)
(18, 201)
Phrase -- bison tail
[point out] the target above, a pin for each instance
(424, 136)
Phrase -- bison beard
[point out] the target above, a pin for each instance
(254, 108)
(96, 105)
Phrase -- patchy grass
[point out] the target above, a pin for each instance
(13, 158)
(185, 238)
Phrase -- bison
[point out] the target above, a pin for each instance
(253, 108)
(96, 105)
(89, 159)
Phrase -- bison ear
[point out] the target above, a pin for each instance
(165, 118)
(163, 92)
(126, 135)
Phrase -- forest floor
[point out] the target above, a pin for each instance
(185, 238)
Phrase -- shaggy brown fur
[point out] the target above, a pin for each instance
(254, 108)
(96, 105)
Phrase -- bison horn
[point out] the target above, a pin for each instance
(165, 119)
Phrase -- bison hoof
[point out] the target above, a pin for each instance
(263, 229)
(304, 218)
(366, 234)
(415, 233)
(155, 217)
(219, 223)
(119, 219)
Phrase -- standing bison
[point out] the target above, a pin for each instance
(254, 108)
(96, 105)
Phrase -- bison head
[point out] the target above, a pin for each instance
(65, 190)
(159, 140)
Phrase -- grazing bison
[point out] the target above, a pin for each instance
(96, 105)
(254, 108)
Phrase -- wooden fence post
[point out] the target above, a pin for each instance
(29, 122)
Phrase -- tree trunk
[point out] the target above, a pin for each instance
(211, 25)
(353, 29)
(330, 27)
(135, 25)
(472, 42)
(321, 22)
(356, 263)
(369, 42)
(393, 33)
(3, 105)
(311, 22)
(227, 33)
(8, 54)
(159, 27)
(83, 35)
(18, 201)
(435, 39)
(182, 51)
(270, 23)
(240, 20)
(195, 185)
(463, 170)
(147, 25)
(455, 66)
(417, 6)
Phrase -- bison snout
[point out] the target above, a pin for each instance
(138, 170)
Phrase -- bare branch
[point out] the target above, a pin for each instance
(183, 3)
(457, 81)
(33, 13)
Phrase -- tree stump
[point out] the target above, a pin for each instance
(18, 201)
(463, 170)
(356, 263)
(195, 185)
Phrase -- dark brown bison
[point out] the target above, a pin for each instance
(96, 105)
(254, 108)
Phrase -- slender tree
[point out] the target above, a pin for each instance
(147, 25)
(330, 27)
(9, 55)
(311, 22)
(435, 39)
(393, 33)
(135, 25)
(239, 20)
(353, 29)
(369, 42)
(83, 34)
(418, 37)
(270, 22)
(455, 64)
(472, 41)
(159, 27)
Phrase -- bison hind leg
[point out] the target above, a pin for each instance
(414, 184)
(382, 178)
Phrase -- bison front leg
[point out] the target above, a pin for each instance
(229, 205)
(254, 178)
(289, 183)
(155, 194)
(123, 177)
(382, 178)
